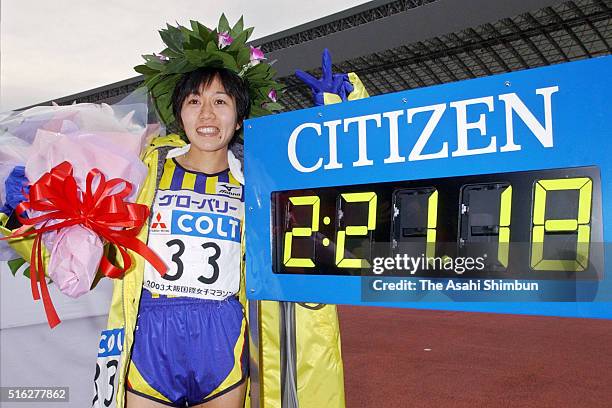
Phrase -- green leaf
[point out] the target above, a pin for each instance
(211, 36)
(228, 61)
(223, 24)
(185, 32)
(171, 40)
(238, 43)
(165, 86)
(201, 30)
(257, 78)
(211, 47)
(15, 264)
(145, 70)
(259, 87)
(243, 57)
(238, 27)
(175, 31)
(153, 81)
(180, 66)
(170, 53)
(263, 92)
(249, 31)
(196, 57)
(258, 71)
(193, 43)
(172, 81)
(273, 106)
(164, 109)
(215, 63)
(257, 111)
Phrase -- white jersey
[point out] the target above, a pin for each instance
(195, 228)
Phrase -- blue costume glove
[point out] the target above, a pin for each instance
(15, 184)
(338, 84)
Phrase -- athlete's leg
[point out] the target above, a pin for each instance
(136, 401)
(231, 399)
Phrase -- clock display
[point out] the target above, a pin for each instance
(543, 224)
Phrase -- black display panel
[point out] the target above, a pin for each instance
(543, 224)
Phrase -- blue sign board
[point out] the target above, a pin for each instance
(489, 195)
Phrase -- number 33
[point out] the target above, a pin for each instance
(212, 261)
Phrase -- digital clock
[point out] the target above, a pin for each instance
(528, 225)
(455, 197)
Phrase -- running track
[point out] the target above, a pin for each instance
(475, 359)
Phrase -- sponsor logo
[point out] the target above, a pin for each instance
(229, 190)
(159, 223)
(111, 342)
(394, 124)
(215, 226)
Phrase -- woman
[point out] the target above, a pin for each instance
(194, 306)
(180, 339)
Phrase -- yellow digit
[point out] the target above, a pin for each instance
(356, 230)
(505, 209)
(288, 261)
(432, 224)
(579, 225)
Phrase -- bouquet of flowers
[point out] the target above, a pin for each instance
(82, 169)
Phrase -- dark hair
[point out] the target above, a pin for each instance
(191, 82)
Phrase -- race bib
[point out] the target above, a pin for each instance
(107, 368)
(198, 237)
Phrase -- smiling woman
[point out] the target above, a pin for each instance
(195, 192)
(179, 338)
(210, 105)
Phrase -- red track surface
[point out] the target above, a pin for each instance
(476, 359)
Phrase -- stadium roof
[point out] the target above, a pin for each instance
(405, 44)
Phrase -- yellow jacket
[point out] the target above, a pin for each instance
(319, 365)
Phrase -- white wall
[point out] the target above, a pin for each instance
(32, 354)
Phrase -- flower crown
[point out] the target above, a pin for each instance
(223, 47)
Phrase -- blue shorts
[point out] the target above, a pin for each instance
(186, 350)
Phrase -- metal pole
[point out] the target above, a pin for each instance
(288, 356)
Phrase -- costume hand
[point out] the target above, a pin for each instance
(15, 183)
(338, 84)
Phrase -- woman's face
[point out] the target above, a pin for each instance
(209, 117)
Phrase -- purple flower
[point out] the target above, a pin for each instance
(272, 95)
(256, 55)
(224, 39)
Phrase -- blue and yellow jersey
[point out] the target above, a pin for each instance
(175, 178)
(195, 228)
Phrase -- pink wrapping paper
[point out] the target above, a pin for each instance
(90, 138)
(76, 253)
(114, 154)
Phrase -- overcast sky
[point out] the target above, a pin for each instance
(51, 49)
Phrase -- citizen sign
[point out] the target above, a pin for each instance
(395, 122)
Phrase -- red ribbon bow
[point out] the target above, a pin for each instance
(101, 210)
